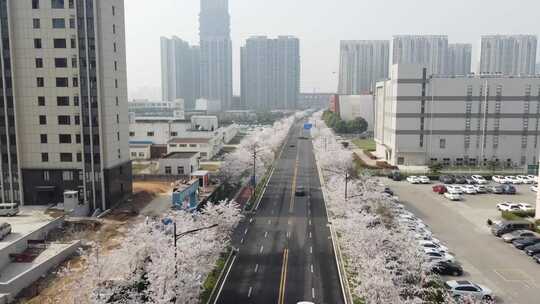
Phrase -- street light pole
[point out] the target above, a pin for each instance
(178, 236)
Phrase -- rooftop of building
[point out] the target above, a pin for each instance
(180, 140)
(30, 219)
(181, 155)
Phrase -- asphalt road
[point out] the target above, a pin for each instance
(286, 253)
(512, 275)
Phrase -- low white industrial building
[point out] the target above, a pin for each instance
(457, 121)
(207, 147)
(179, 163)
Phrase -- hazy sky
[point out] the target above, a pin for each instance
(320, 25)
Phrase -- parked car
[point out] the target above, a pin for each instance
(300, 191)
(441, 189)
(453, 196)
(424, 180)
(503, 227)
(447, 268)
(534, 178)
(433, 245)
(470, 181)
(518, 234)
(9, 209)
(5, 230)
(495, 189)
(513, 180)
(459, 179)
(446, 179)
(499, 179)
(508, 206)
(469, 189)
(454, 189)
(395, 176)
(532, 250)
(522, 243)
(526, 207)
(464, 288)
(434, 255)
(479, 179)
(413, 179)
(509, 189)
(536, 258)
(524, 179)
(388, 191)
(534, 188)
(480, 188)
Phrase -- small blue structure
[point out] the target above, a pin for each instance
(308, 126)
(185, 195)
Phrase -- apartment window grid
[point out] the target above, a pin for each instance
(484, 144)
(479, 121)
(497, 120)
(423, 106)
(468, 111)
(526, 112)
(537, 118)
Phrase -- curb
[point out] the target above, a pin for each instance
(212, 299)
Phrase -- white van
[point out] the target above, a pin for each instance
(9, 209)
(5, 230)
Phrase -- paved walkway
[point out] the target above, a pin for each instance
(365, 158)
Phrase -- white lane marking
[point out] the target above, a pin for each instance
(310, 235)
(313, 292)
(288, 234)
(310, 249)
(245, 231)
(249, 291)
(262, 248)
(269, 222)
(310, 222)
(242, 241)
(311, 268)
(256, 267)
(251, 220)
(224, 280)
(266, 234)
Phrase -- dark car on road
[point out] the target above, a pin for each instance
(509, 189)
(522, 243)
(388, 191)
(300, 191)
(447, 268)
(446, 179)
(532, 250)
(504, 227)
(495, 189)
(395, 175)
(458, 179)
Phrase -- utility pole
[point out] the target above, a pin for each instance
(178, 236)
(346, 182)
(253, 181)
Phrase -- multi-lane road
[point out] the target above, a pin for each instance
(285, 249)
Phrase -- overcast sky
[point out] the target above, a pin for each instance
(320, 25)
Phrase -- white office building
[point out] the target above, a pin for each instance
(457, 121)
(64, 102)
(508, 54)
(430, 51)
(362, 64)
(459, 59)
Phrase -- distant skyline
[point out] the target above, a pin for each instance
(320, 25)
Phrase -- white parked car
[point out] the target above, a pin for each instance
(525, 207)
(513, 180)
(499, 179)
(413, 179)
(534, 178)
(434, 254)
(480, 188)
(479, 179)
(454, 189)
(433, 245)
(534, 188)
(424, 180)
(464, 288)
(469, 189)
(524, 179)
(508, 206)
(453, 196)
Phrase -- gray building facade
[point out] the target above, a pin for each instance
(459, 59)
(508, 54)
(180, 71)
(430, 51)
(270, 70)
(362, 64)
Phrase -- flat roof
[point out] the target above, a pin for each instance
(181, 155)
(195, 140)
(30, 219)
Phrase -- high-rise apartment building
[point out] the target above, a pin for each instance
(508, 54)
(63, 114)
(459, 59)
(216, 52)
(362, 64)
(180, 71)
(430, 51)
(270, 77)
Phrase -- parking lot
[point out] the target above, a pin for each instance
(510, 273)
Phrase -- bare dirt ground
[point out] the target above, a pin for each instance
(109, 234)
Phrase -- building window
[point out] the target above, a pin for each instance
(115, 65)
(192, 145)
(37, 43)
(72, 23)
(59, 23)
(36, 23)
(42, 119)
(46, 176)
(74, 62)
(60, 62)
(66, 157)
(168, 170)
(174, 134)
(446, 162)
(114, 47)
(41, 101)
(442, 143)
(113, 10)
(39, 63)
(117, 118)
(77, 120)
(73, 43)
(180, 170)
(59, 43)
(131, 134)
(133, 154)
(118, 136)
(64, 120)
(75, 82)
(116, 83)
(64, 138)
(62, 82)
(40, 81)
(76, 101)
(149, 134)
(57, 3)
(35, 4)
(71, 3)
(67, 176)
(141, 154)
(182, 145)
(79, 157)
(43, 138)
(401, 160)
(78, 138)
(117, 101)
(114, 28)
(44, 157)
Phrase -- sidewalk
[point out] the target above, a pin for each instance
(360, 153)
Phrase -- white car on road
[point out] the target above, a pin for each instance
(413, 179)
(453, 196)
(424, 180)
(499, 179)
(464, 288)
(508, 206)
(479, 179)
(469, 189)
